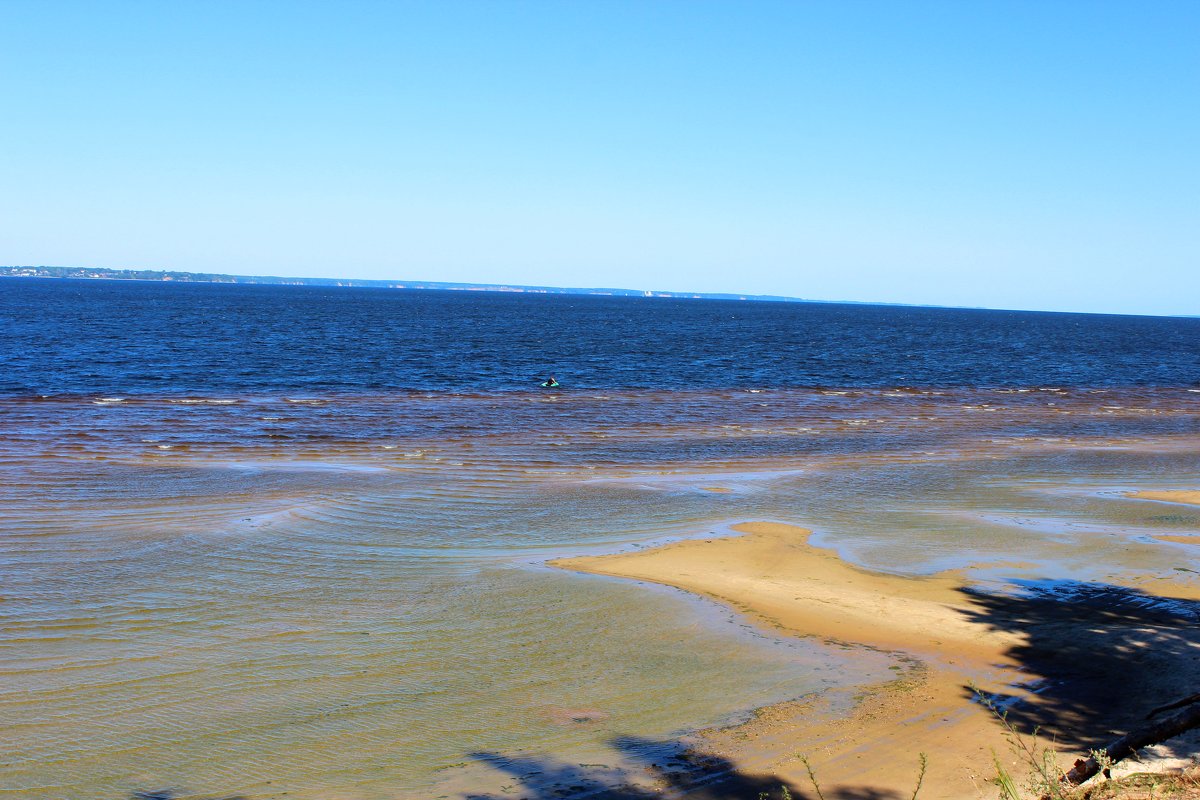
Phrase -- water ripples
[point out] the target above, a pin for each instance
(255, 595)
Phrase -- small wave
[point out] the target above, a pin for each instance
(201, 401)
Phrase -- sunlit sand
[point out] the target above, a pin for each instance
(958, 637)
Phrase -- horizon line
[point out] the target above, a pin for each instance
(168, 276)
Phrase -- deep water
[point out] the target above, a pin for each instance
(69, 337)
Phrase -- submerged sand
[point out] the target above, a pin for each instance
(946, 637)
(1189, 497)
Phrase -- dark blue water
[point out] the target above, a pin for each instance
(63, 337)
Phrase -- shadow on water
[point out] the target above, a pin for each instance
(656, 770)
(660, 769)
(1099, 657)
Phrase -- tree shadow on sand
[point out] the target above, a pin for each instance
(1099, 657)
(658, 769)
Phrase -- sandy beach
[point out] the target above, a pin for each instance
(1086, 662)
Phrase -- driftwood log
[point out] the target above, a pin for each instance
(1145, 736)
(1187, 701)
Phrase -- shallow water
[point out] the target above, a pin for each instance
(345, 597)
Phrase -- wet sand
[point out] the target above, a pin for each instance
(1166, 537)
(1054, 652)
(1187, 496)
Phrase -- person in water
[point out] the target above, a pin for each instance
(550, 383)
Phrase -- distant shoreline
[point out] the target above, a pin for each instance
(174, 276)
(169, 276)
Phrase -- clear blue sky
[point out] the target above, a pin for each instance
(1011, 154)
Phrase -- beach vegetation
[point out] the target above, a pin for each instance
(920, 775)
(812, 777)
(1145, 786)
(1045, 780)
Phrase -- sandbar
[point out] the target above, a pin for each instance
(1169, 537)
(1187, 496)
(946, 637)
